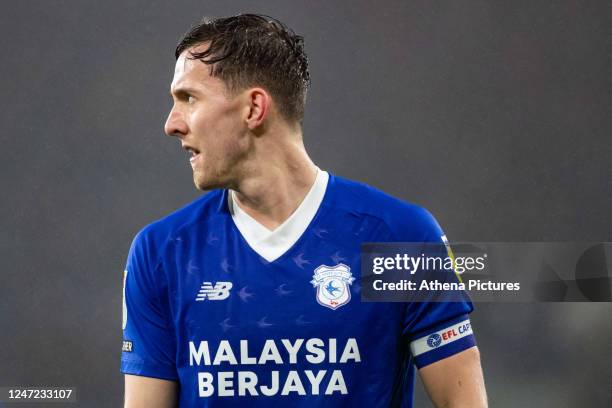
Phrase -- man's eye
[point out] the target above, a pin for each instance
(190, 99)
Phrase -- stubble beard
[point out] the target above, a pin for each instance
(225, 171)
(206, 179)
(204, 182)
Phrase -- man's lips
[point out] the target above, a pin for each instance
(193, 151)
(194, 157)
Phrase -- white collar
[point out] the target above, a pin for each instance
(272, 244)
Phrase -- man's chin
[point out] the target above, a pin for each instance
(202, 186)
(206, 185)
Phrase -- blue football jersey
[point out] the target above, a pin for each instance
(241, 316)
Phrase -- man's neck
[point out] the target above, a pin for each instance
(275, 188)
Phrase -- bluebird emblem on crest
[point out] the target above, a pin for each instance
(332, 284)
(331, 289)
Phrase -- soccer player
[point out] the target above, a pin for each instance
(249, 296)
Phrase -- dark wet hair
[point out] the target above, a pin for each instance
(254, 50)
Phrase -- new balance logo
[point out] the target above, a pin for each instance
(218, 291)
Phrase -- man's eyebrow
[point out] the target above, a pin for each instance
(182, 91)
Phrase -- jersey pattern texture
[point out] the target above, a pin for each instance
(205, 309)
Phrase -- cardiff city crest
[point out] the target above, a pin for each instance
(332, 283)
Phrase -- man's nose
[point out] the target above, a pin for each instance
(175, 124)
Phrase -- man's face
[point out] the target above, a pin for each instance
(209, 122)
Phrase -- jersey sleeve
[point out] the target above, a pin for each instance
(438, 329)
(149, 347)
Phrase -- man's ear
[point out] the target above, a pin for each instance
(260, 102)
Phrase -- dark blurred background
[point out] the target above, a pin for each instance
(496, 116)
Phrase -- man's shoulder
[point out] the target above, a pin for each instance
(399, 215)
(170, 226)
